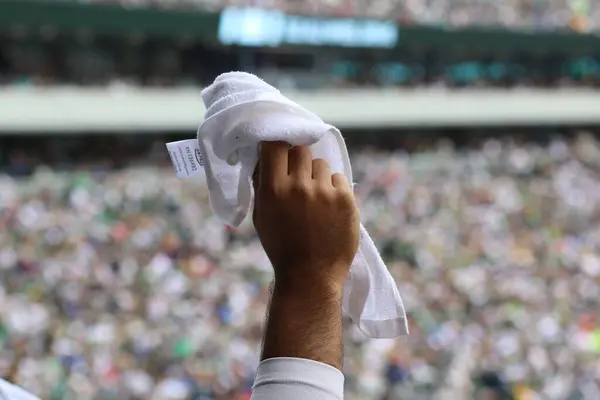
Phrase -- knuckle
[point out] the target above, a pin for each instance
(301, 151)
(274, 191)
(344, 198)
(301, 188)
(327, 195)
(345, 191)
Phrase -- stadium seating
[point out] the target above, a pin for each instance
(121, 284)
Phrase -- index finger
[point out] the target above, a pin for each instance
(273, 160)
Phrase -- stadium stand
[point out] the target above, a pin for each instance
(513, 14)
(66, 43)
(118, 283)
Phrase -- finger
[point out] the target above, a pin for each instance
(273, 161)
(300, 162)
(321, 170)
(339, 181)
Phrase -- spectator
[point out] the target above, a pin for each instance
(123, 285)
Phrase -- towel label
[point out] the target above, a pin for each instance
(186, 158)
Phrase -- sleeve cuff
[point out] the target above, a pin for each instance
(301, 372)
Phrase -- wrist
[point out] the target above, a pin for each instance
(305, 321)
(302, 277)
(308, 288)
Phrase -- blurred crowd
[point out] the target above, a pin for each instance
(47, 57)
(514, 14)
(121, 284)
(118, 64)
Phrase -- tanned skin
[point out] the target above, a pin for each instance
(308, 224)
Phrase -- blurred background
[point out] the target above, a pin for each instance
(473, 128)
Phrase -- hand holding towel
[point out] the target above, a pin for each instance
(242, 111)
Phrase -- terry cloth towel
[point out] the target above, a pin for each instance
(241, 111)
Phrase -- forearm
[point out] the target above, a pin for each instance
(307, 221)
(305, 321)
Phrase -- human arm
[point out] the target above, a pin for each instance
(307, 221)
(302, 349)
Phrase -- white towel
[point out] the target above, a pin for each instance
(241, 111)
